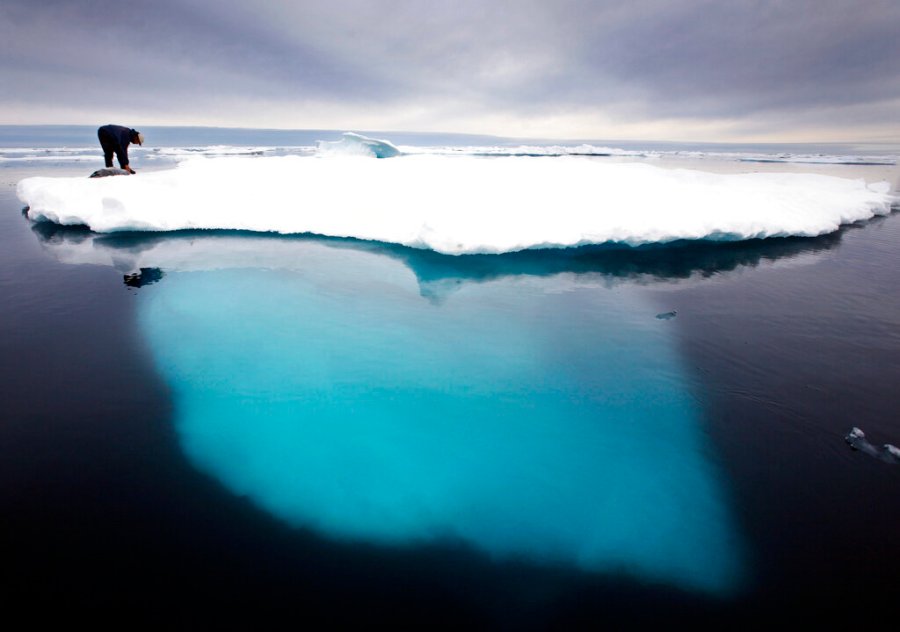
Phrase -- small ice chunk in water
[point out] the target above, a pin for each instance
(857, 440)
(667, 315)
(855, 436)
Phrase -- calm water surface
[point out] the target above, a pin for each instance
(293, 427)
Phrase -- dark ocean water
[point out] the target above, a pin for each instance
(117, 510)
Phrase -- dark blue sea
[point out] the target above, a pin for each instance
(207, 429)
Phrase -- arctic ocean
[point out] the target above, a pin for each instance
(449, 378)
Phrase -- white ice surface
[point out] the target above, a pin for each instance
(460, 204)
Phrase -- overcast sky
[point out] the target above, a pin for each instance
(765, 70)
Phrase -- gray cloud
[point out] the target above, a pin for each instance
(735, 58)
(642, 62)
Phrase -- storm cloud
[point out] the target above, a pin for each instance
(698, 69)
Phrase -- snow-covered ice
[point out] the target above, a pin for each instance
(460, 204)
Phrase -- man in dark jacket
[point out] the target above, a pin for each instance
(115, 140)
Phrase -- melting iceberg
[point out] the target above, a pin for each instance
(460, 204)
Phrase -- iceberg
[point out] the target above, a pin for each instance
(530, 414)
(352, 144)
(460, 204)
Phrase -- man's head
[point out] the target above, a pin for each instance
(137, 137)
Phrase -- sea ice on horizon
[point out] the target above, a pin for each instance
(460, 204)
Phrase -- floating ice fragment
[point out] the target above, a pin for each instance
(857, 440)
(855, 435)
(667, 315)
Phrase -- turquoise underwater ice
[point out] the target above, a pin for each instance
(542, 418)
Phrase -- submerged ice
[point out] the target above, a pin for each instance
(523, 422)
(460, 204)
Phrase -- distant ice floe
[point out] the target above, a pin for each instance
(356, 144)
(460, 204)
(606, 151)
(821, 159)
(12, 156)
(21, 156)
(184, 153)
(786, 158)
(529, 150)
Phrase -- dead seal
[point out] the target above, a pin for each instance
(108, 171)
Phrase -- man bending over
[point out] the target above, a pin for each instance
(114, 139)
